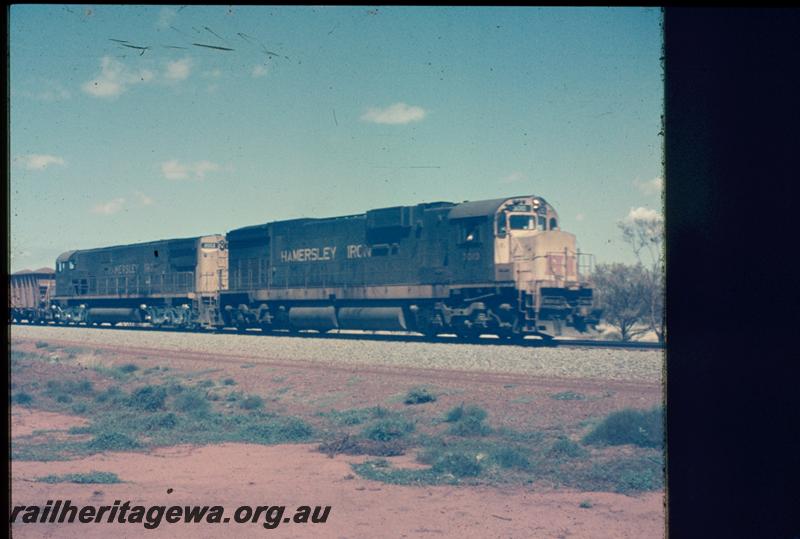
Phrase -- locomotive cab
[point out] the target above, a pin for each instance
(543, 262)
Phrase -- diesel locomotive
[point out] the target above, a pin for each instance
(171, 283)
(501, 267)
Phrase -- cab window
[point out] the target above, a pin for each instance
(542, 222)
(521, 222)
(501, 225)
(553, 223)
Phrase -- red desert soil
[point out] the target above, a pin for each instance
(293, 475)
(231, 475)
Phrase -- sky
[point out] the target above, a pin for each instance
(138, 123)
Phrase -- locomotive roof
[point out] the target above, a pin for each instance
(479, 208)
(63, 257)
(40, 271)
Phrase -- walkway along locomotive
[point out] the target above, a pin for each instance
(499, 266)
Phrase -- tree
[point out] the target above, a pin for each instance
(643, 230)
(622, 292)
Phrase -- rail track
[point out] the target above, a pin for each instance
(391, 337)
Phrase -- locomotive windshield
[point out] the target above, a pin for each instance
(521, 222)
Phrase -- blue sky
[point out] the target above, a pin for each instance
(324, 111)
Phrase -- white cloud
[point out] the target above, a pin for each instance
(165, 17)
(115, 78)
(213, 73)
(175, 170)
(514, 177)
(258, 71)
(178, 70)
(580, 217)
(643, 215)
(399, 113)
(652, 187)
(109, 208)
(49, 91)
(144, 200)
(201, 167)
(39, 161)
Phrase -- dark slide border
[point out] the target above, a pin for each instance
(733, 219)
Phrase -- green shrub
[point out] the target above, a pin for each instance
(229, 382)
(162, 421)
(568, 396)
(148, 398)
(634, 474)
(175, 388)
(82, 478)
(355, 416)
(419, 395)
(467, 421)
(354, 445)
(293, 429)
(510, 457)
(459, 464)
(129, 368)
(70, 387)
(42, 344)
(252, 402)
(639, 427)
(460, 411)
(112, 394)
(82, 387)
(566, 448)
(275, 430)
(22, 398)
(192, 402)
(112, 441)
(79, 408)
(388, 429)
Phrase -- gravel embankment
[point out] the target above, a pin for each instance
(607, 364)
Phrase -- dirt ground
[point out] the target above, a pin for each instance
(234, 474)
